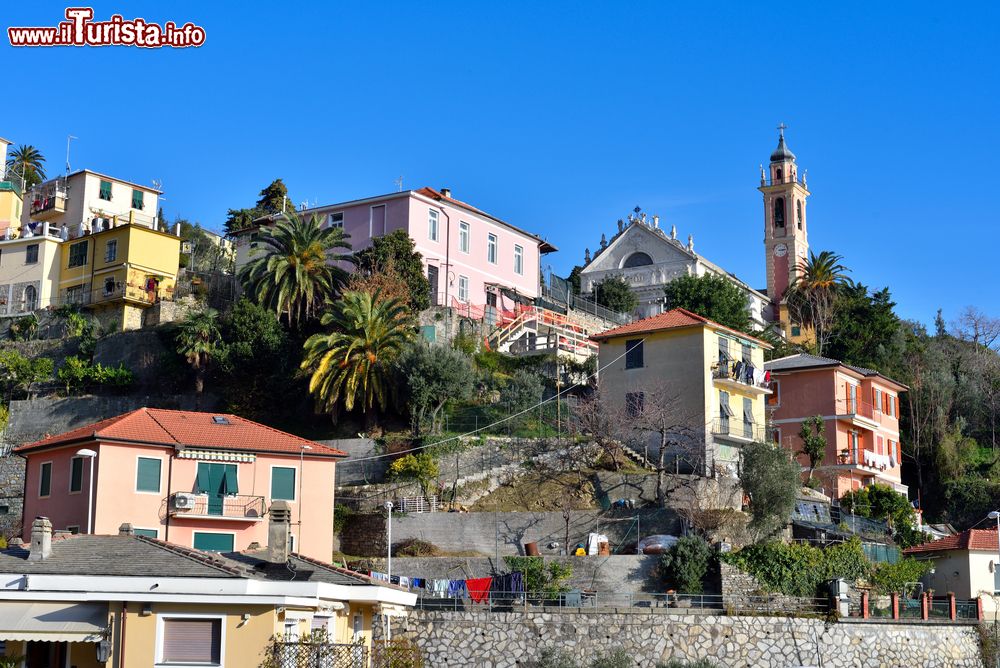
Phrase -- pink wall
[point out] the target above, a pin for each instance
(117, 501)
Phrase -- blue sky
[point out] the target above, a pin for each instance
(561, 118)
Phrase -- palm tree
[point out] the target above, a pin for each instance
(353, 363)
(811, 295)
(28, 164)
(198, 340)
(297, 270)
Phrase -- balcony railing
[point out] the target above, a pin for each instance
(737, 375)
(11, 186)
(121, 291)
(227, 507)
(736, 428)
(855, 409)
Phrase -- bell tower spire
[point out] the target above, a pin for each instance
(786, 241)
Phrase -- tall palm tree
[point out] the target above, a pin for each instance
(198, 340)
(27, 164)
(811, 295)
(353, 363)
(297, 270)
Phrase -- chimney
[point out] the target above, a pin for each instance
(177, 229)
(446, 192)
(279, 529)
(41, 539)
(126, 529)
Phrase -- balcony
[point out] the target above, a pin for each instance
(736, 431)
(205, 507)
(48, 202)
(724, 375)
(10, 186)
(862, 414)
(107, 294)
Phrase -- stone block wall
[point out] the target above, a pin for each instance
(478, 639)
(11, 495)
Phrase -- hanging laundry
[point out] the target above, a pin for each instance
(767, 376)
(509, 585)
(456, 589)
(479, 589)
(394, 580)
(416, 583)
(381, 577)
(404, 581)
(438, 588)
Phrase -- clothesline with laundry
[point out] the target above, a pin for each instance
(478, 590)
(745, 372)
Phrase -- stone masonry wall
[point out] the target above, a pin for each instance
(480, 639)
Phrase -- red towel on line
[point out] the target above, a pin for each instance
(479, 589)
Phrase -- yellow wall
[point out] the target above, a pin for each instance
(10, 210)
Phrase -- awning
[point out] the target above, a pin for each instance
(53, 622)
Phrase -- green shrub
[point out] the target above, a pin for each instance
(23, 328)
(420, 467)
(540, 579)
(798, 569)
(76, 374)
(889, 578)
(686, 563)
(341, 514)
(616, 658)
(554, 658)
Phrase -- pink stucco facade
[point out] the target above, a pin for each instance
(117, 498)
(466, 249)
(861, 423)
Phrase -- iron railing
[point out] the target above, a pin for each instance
(291, 654)
(235, 506)
(738, 428)
(728, 372)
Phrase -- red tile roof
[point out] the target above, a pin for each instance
(190, 429)
(673, 319)
(970, 539)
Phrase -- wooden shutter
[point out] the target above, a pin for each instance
(230, 484)
(203, 484)
(282, 483)
(76, 474)
(196, 641)
(45, 484)
(148, 475)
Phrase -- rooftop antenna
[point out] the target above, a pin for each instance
(399, 184)
(69, 138)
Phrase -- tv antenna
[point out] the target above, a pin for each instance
(399, 184)
(69, 138)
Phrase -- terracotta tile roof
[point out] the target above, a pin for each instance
(189, 429)
(673, 319)
(970, 539)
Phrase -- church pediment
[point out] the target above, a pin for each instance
(638, 246)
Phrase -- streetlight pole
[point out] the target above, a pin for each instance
(388, 539)
(995, 515)
(91, 455)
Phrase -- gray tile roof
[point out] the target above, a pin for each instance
(807, 361)
(298, 568)
(118, 556)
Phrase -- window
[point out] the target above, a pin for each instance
(779, 212)
(111, 251)
(30, 298)
(747, 354)
(748, 418)
(854, 442)
(777, 175)
(633, 354)
(78, 254)
(105, 192)
(148, 533)
(74, 295)
(796, 330)
(147, 476)
(282, 483)
(725, 412)
(73, 529)
(463, 288)
(336, 220)
(432, 225)
(723, 350)
(635, 403)
(491, 248)
(877, 400)
(214, 542)
(217, 480)
(518, 260)
(190, 641)
(774, 399)
(109, 286)
(798, 213)
(76, 474)
(45, 479)
(879, 445)
(31, 254)
(638, 259)
(464, 234)
(137, 199)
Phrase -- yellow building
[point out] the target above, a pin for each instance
(29, 270)
(129, 601)
(118, 270)
(705, 380)
(11, 198)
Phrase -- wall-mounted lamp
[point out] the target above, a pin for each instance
(147, 610)
(245, 617)
(103, 649)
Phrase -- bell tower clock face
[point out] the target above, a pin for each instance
(781, 250)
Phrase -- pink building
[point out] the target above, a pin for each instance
(860, 410)
(468, 254)
(201, 480)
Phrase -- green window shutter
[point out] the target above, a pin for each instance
(203, 484)
(230, 484)
(213, 542)
(137, 199)
(45, 483)
(148, 533)
(76, 474)
(282, 483)
(147, 477)
(105, 193)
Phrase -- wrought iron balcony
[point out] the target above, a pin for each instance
(206, 506)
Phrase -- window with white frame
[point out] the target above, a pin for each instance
(336, 220)
(191, 641)
(463, 288)
(464, 234)
(518, 259)
(432, 225)
(491, 248)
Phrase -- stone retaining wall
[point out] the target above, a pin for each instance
(477, 639)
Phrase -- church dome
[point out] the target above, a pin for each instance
(782, 153)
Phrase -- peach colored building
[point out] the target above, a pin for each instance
(860, 410)
(200, 480)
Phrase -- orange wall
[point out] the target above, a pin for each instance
(117, 501)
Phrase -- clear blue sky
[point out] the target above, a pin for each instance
(561, 119)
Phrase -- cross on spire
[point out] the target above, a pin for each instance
(781, 129)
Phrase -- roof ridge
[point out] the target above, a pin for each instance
(162, 426)
(192, 554)
(346, 571)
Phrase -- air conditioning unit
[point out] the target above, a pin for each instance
(184, 501)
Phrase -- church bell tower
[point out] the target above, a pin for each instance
(786, 244)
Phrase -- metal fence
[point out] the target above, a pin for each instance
(316, 655)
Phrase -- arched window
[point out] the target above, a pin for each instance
(798, 212)
(637, 260)
(30, 298)
(777, 175)
(779, 212)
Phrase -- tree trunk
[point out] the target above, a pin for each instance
(660, 473)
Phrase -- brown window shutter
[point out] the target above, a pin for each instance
(188, 640)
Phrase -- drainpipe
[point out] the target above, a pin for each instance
(121, 638)
(170, 475)
(447, 255)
